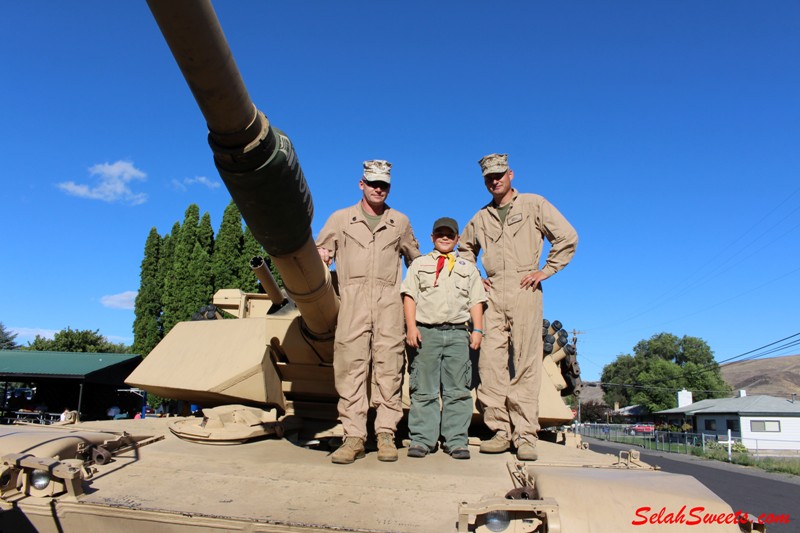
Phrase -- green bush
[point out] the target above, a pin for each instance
(719, 452)
(736, 447)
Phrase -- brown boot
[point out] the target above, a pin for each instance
(527, 452)
(351, 449)
(497, 444)
(387, 451)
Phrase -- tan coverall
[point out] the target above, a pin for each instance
(510, 405)
(371, 325)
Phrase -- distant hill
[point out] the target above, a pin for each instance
(591, 392)
(776, 376)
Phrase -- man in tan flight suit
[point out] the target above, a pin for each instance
(510, 231)
(367, 241)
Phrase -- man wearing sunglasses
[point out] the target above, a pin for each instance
(510, 231)
(367, 242)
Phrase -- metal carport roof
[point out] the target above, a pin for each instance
(110, 368)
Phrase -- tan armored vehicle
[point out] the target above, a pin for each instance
(267, 383)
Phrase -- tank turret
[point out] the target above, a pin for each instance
(276, 355)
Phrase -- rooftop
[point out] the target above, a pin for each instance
(745, 405)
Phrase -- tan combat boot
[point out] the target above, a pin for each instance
(497, 444)
(387, 451)
(351, 449)
(527, 452)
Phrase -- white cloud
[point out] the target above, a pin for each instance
(123, 300)
(25, 335)
(184, 184)
(113, 184)
(118, 339)
(202, 180)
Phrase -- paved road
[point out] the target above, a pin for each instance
(743, 488)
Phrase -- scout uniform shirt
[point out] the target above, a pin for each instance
(448, 298)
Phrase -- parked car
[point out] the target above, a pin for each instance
(643, 428)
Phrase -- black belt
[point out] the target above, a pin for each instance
(444, 326)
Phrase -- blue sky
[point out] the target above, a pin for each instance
(668, 133)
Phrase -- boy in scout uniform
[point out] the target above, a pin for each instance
(441, 293)
(367, 242)
(510, 231)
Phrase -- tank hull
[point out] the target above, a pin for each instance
(278, 485)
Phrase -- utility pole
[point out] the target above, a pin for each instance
(575, 336)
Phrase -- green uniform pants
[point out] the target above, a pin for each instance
(441, 364)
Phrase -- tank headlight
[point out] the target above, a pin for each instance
(497, 521)
(40, 479)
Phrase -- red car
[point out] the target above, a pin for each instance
(643, 428)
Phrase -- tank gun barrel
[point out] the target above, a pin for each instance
(256, 161)
(208, 67)
(268, 283)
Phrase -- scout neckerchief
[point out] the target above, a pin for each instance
(451, 261)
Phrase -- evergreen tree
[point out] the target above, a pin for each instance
(200, 282)
(146, 331)
(7, 339)
(165, 265)
(180, 303)
(205, 234)
(227, 260)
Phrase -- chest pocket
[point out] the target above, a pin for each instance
(461, 281)
(427, 273)
(527, 243)
(387, 257)
(489, 240)
(353, 259)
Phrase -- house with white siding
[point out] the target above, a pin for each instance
(761, 422)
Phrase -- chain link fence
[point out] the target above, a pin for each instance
(646, 436)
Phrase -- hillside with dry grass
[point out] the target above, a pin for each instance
(776, 376)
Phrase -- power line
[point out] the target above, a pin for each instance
(761, 348)
(654, 387)
(713, 365)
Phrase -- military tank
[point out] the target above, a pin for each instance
(267, 383)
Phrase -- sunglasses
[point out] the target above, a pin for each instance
(376, 184)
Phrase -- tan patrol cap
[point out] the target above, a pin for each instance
(377, 170)
(494, 164)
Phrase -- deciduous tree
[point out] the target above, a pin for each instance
(660, 367)
(76, 340)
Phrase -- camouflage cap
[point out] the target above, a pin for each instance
(494, 164)
(446, 222)
(377, 170)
